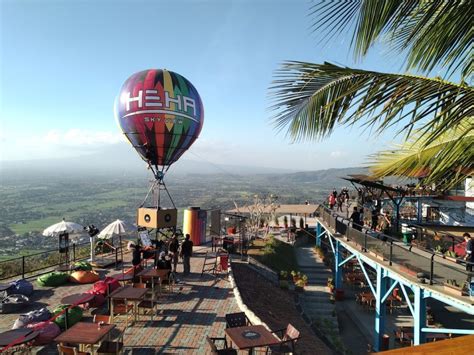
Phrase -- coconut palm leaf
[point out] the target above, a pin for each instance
(445, 161)
(437, 32)
(310, 100)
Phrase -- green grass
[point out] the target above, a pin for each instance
(275, 254)
(34, 225)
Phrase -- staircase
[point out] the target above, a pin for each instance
(315, 300)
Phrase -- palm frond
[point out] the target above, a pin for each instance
(437, 32)
(310, 100)
(445, 161)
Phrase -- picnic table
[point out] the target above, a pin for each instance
(152, 274)
(84, 334)
(126, 294)
(252, 336)
(77, 298)
(17, 337)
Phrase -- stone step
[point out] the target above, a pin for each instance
(312, 266)
(319, 276)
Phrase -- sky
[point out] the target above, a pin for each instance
(63, 63)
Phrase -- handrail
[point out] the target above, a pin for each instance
(21, 270)
(383, 238)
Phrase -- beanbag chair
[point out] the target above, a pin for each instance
(74, 315)
(84, 277)
(82, 265)
(101, 286)
(53, 279)
(20, 287)
(47, 332)
(13, 303)
(36, 316)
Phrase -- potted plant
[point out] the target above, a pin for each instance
(304, 278)
(330, 284)
(295, 275)
(451, 255)
(283, 275)
(299, 285)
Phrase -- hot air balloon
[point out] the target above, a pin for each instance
(161, 114)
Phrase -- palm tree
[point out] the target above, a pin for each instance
(436, 159)
(310, 100)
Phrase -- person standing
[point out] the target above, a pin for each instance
(375, 219)
(469, 257)
(186, 253)
(174, 248)
(340, 201)
(355, 217)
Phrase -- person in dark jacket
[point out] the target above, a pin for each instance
(186, 253)
(136, 257)
(355, 217)
(174, 250)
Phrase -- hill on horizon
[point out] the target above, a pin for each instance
(119, 160)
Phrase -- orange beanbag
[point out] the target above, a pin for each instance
(84, 277)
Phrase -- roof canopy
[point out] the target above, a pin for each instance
(371, 182)
(281, 209)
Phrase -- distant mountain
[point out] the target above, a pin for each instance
(120, 159)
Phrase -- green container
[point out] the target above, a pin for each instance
(407, 237)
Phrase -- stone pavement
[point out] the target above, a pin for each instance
(196, 308)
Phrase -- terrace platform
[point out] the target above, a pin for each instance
(195, 309)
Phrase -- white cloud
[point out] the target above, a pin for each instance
(55, 143)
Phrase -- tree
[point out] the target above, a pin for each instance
(310, 100)
(454, 148)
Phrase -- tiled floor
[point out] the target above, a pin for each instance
(195, 309)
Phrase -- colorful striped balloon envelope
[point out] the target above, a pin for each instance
(161, 114)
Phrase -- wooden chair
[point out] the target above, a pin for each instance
(108, 346)
(236, 320)
(288, 336)
(66, 350)
(224, 351)
(146, 305)
(169, 280)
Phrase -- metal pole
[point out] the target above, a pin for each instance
(391, 253)
(432, 269)
(23, 267)
(74, 252)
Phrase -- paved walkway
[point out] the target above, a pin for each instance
(196, 308)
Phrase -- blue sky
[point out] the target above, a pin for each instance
(63, 63)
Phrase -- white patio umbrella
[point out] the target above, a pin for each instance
(63, 227)
(118, 227)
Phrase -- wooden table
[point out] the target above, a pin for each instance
(83, 334)
(251, 337)
(135, 295)
(152, 274)
(77, 298)
(123, 277)
(17, 337)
